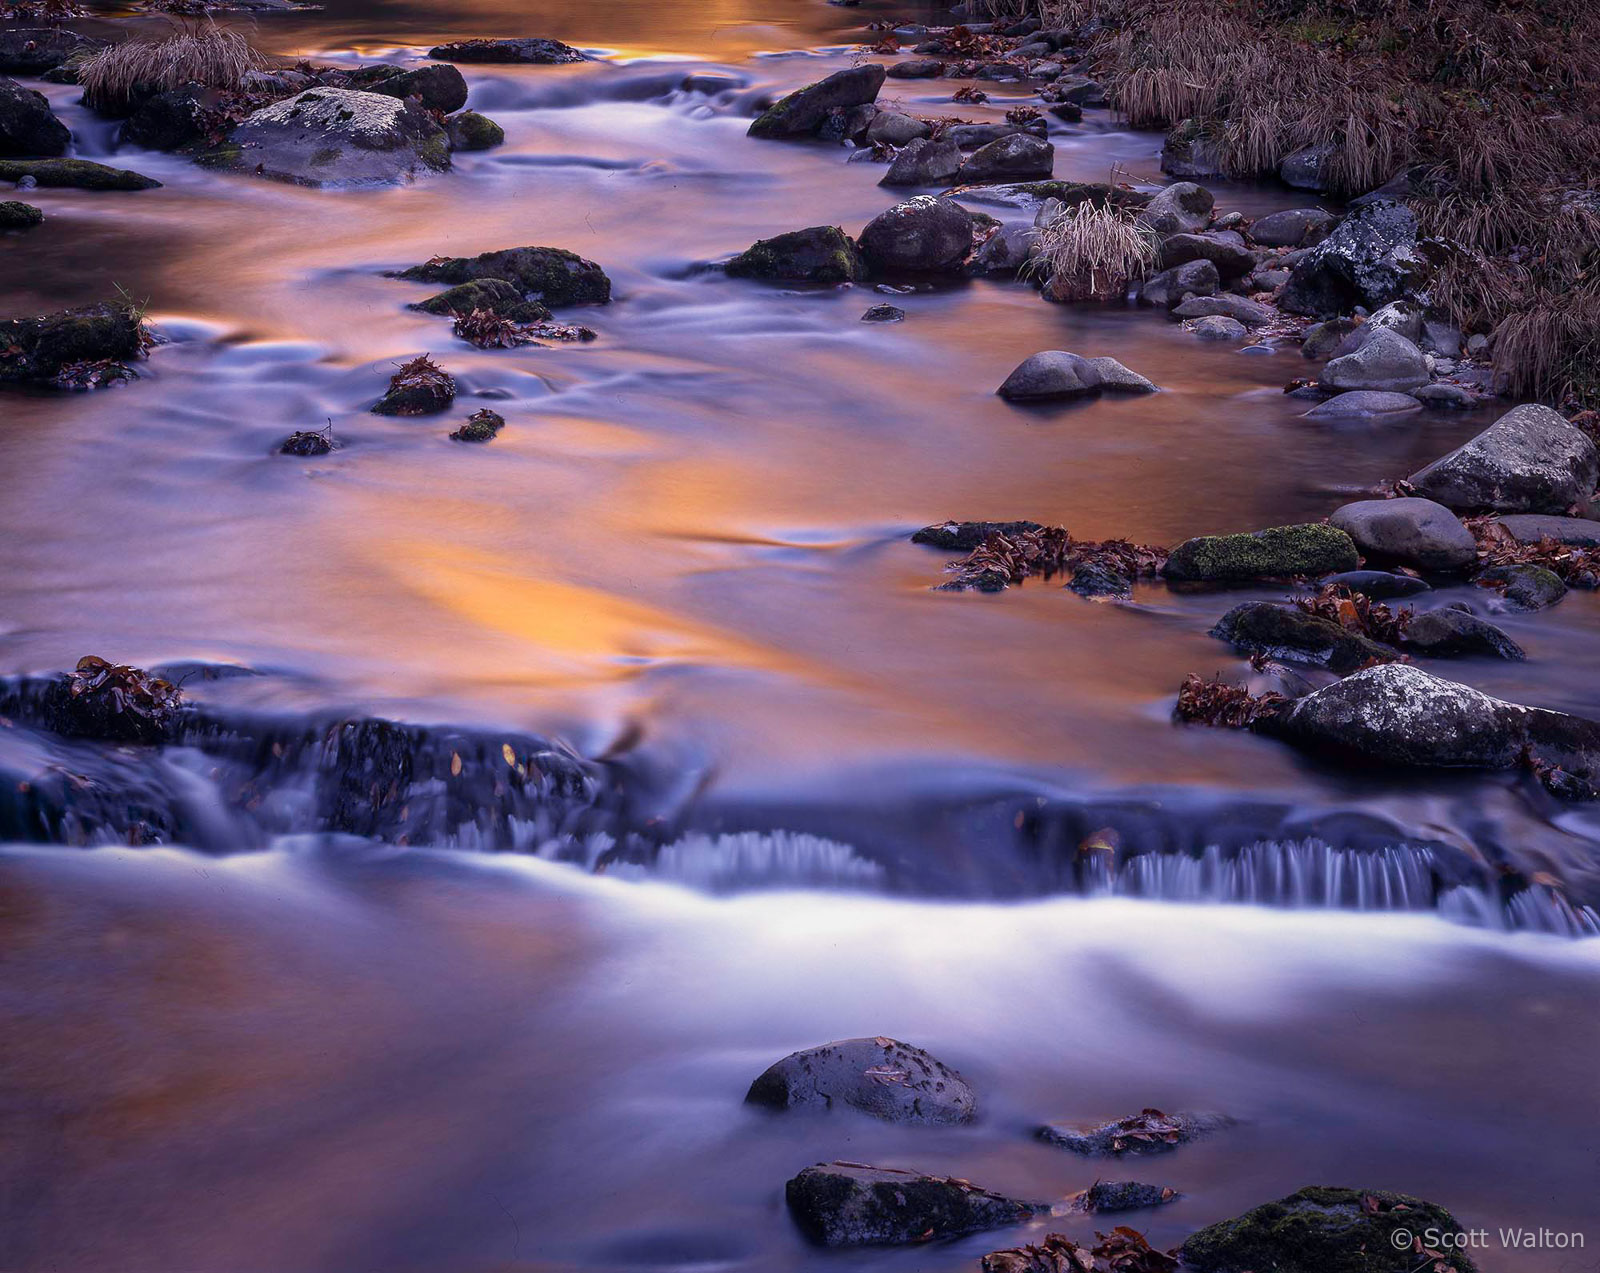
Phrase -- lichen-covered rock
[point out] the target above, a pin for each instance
(881, 1077)
(1181, 208)
(1370, 259)
(965, 536)
(846, 1204)
(820, 254)
(1531, 460)
(40, 348)
(492, 295)
(553, 275)
(1292, 228)
(1413, 532)
(76, 174)
(1279, 551)
(533, 50)
(1020, 155)
(1190, 151)
(1385, 361)
(469, 130)
(27, 124)
(15, 215)
(803, 111)
(922, 235)
(1148, 1132)
(1051, 373)
(1364, 404)
(1290, 634)
(1325, 1230)
(34, 50)
(1450, 633)
(336, 136)
(1525, 587)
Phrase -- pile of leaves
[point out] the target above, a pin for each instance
(1123, 1250)
(115, 702)
(1577, 567)
(489, 330)
(962, 42)
(1021, 115)
(1357, 613)
(1227, 706)
(1002, 559)
(422, 373)
(969, 93)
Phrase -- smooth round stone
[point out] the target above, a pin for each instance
(1364, 404)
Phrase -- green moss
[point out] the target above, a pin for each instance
(19, 216)
(491, 294)
(79, 174)
(472, 131)
(1322, 1230)
(820, 254)
(1308, 549)
(556, 276)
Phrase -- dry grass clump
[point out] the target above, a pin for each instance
(1094, 253)
(115, 78)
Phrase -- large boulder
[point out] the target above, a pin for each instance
(924, 234)
(75, 174)
(35, 50)
(39, 348)
(1370, 259)
(1450, 633)
(1223, 248)
(1279, 551)
(1531, 460)
(1018, 156)
(27, 125)
(1289, 634)
(924, 162)
(1191, 151)
(877, 1076)
(1325, 1230)
(553, 275)
(1052, 373)
(526, 49)
(337, 136)
(803, 111)
(821, 254)
(1292, 228)
(178, 117)
(847, 1204)
(1411, 532)
(1181, 208)
(1385, 361)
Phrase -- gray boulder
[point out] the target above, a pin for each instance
(1189, 151)
(916, 68)
(1006, 251)
(27, 125)
(1168, 289)
(1017, 157)
(1379, 584)
(924, 162)
(894, 128)
(1531, 460)
(1223, 248)
(1411, 532)
(924, 235)
(849, 1204)
(336, 136)
(1305, 169)
(1386, 361)
(1292, 228)
(1250, 313)
(1219, 327)
(1364, 404)
(820, 254)
(1370, 259)
(1114, 376)
(1530, 528)
(1054, 373)
(1451, 633)
(881, 1077)
(1181, 208)
(804, 111)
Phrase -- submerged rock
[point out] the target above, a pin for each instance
(1378, 584)
(1370, 259)
(925, 234)
(805, 110)
(1148, 1132)
(469, 130)
(1280, 551)
(553, 275)
(1288, 633)
(881, 1077)
(1364, 404)
(1451, 633)
(965, 536)
(1326, 1230)
(15, 215)
(1531, 460)
(493, 295)
(77, 174)
(42, 348)
(1413, 532)
(27, 124)
(848, 1204)
(525, 49)
(336, 136)
(820, 254)
(1052, 373)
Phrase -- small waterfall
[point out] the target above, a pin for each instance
(754, 860)
(1298, 874)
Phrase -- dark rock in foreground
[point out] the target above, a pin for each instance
(40, 348)
(76, 174)
(1326, 1230)
(965, 536)
(15, 215)
(1531, 460)
(553, 275)
(1290, 634)
(27, 124)
(527, 49)
(803, 111)
(849, 1204)
(877, 1076)
(922, 235)
(820, 254)
(1308, 549)
(1148, 1132)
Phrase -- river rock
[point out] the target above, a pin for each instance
(1531, 460)
(526, 49)
(1364, 404)
(848, 1204)
(1304, 169)
(883, 314)
(493, 295)
(1006, 251)
(1292, 228)
(1114, 376)
(1380, 585)
(1413, 532)
(16, 215)
(1280, 551)
(1181, 208)
(895, 128)
(803, 111)
(965, 536)
(1447, 397)
(1386, 361)
(27, 125)
(1052, 373)
(469, 130)
(1525, 587)
(924, 162)
(78, 174)
(38, 348)
(1190, 152)
(1451, 633)
(1250, 313)
(1168, 289)
(1149, 1132)
(1126, 1195)
(916, 68)
(34, 50)
(820, 254)
(1530, 528)
(439, 88)
(1219, 327)
(1370, 259)
(1223, 248)
(1020, 155)
(168, 121)
(553, 275)
(1324, 1230)
(877, 1076)
(977, 136)
(1321, 339)
(1289, 634)
(923, 234)
(337, 136)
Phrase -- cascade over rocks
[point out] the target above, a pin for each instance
(881, 1077)
(805, 110)
(1531, 460)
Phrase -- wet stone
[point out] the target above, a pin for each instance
(1148, 1132)
(878, 1076)
(850, 1204)
(965, 536)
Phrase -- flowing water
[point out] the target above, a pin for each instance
(686, 556)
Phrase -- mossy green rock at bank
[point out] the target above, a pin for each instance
(77, 174)
(553, 275)
(19, 216)
(492, 294)
(820, 254)
(1309, 549)
(1324, 1230)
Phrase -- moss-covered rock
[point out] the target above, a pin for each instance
(1308, 549)
(1323, 1230)
(40, 348)
(19, 216)
(77, 174)
(481, 426)
(1290, 634)
(492, 295)
(820, 254)
(1526, 586)
(471, 131)
(553, 275)
(804, 110)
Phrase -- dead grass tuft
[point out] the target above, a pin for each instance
(115, 78)
(1094, 253)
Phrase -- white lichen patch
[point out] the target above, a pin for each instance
(351, 115)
